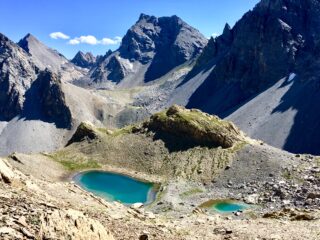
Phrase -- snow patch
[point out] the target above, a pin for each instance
(291, 77)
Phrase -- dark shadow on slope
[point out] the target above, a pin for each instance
(243, 103)
(194, 72)
(305, 133)
(179, 143)
(215, 98)
(45, 102)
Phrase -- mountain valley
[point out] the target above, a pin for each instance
(232, 118)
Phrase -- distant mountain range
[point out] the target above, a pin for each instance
(263, 74)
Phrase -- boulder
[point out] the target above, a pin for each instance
(84, 131)
(6, 173)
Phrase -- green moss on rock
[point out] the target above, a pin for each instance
(196, 126)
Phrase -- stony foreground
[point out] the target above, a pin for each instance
(41, 207)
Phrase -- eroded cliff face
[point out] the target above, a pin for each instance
(17, 72)
(265, 45)
(277, 41)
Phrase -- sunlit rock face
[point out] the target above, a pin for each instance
(162, 43)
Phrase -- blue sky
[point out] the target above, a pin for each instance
(105, 20)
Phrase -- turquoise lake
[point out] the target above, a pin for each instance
(228, 207)
(116, 187)
(225, 205)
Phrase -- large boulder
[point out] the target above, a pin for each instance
(6, 173)
(85, 131)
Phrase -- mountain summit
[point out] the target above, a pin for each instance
(151, 48)
(17, 72)
(45, 57)
(84, 60)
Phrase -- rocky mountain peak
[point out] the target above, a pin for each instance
(145, 17)
(163, 42)
(43, 56)
(151, 48)
(4, 39)
(84, 60)
(227, 29)
(275, 40)
(28, 40)
(17, 71)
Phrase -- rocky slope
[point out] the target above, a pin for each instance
(84, 60)
(17, 72)
(269, 43)
(39, 106)
(150, 49)
(45, 57)
(45, 100)
(281, 188)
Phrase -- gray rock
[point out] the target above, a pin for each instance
(161, 43)
(17, 72)
(84, 60)
(269, 43)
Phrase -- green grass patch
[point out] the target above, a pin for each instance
(73, 166)
(125, 130)
(191, 192)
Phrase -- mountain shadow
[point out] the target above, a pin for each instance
(45, 101)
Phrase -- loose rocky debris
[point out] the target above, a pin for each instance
(293, 214)
(71, 224)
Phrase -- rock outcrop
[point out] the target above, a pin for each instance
(84, 131)
(195, 126)
(6, 173)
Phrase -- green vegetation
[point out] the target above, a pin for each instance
(201, 128)
(287, 175)
(75, 165)
(191, 192)
(121, 131)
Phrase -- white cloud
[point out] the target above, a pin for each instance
(109, 41)
(89, 39)
(58, 35)
(215, 35)
(92, 40)
(74, 41)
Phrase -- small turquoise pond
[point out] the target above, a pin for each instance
(116, 187)
(225, 206)
(228, 207)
